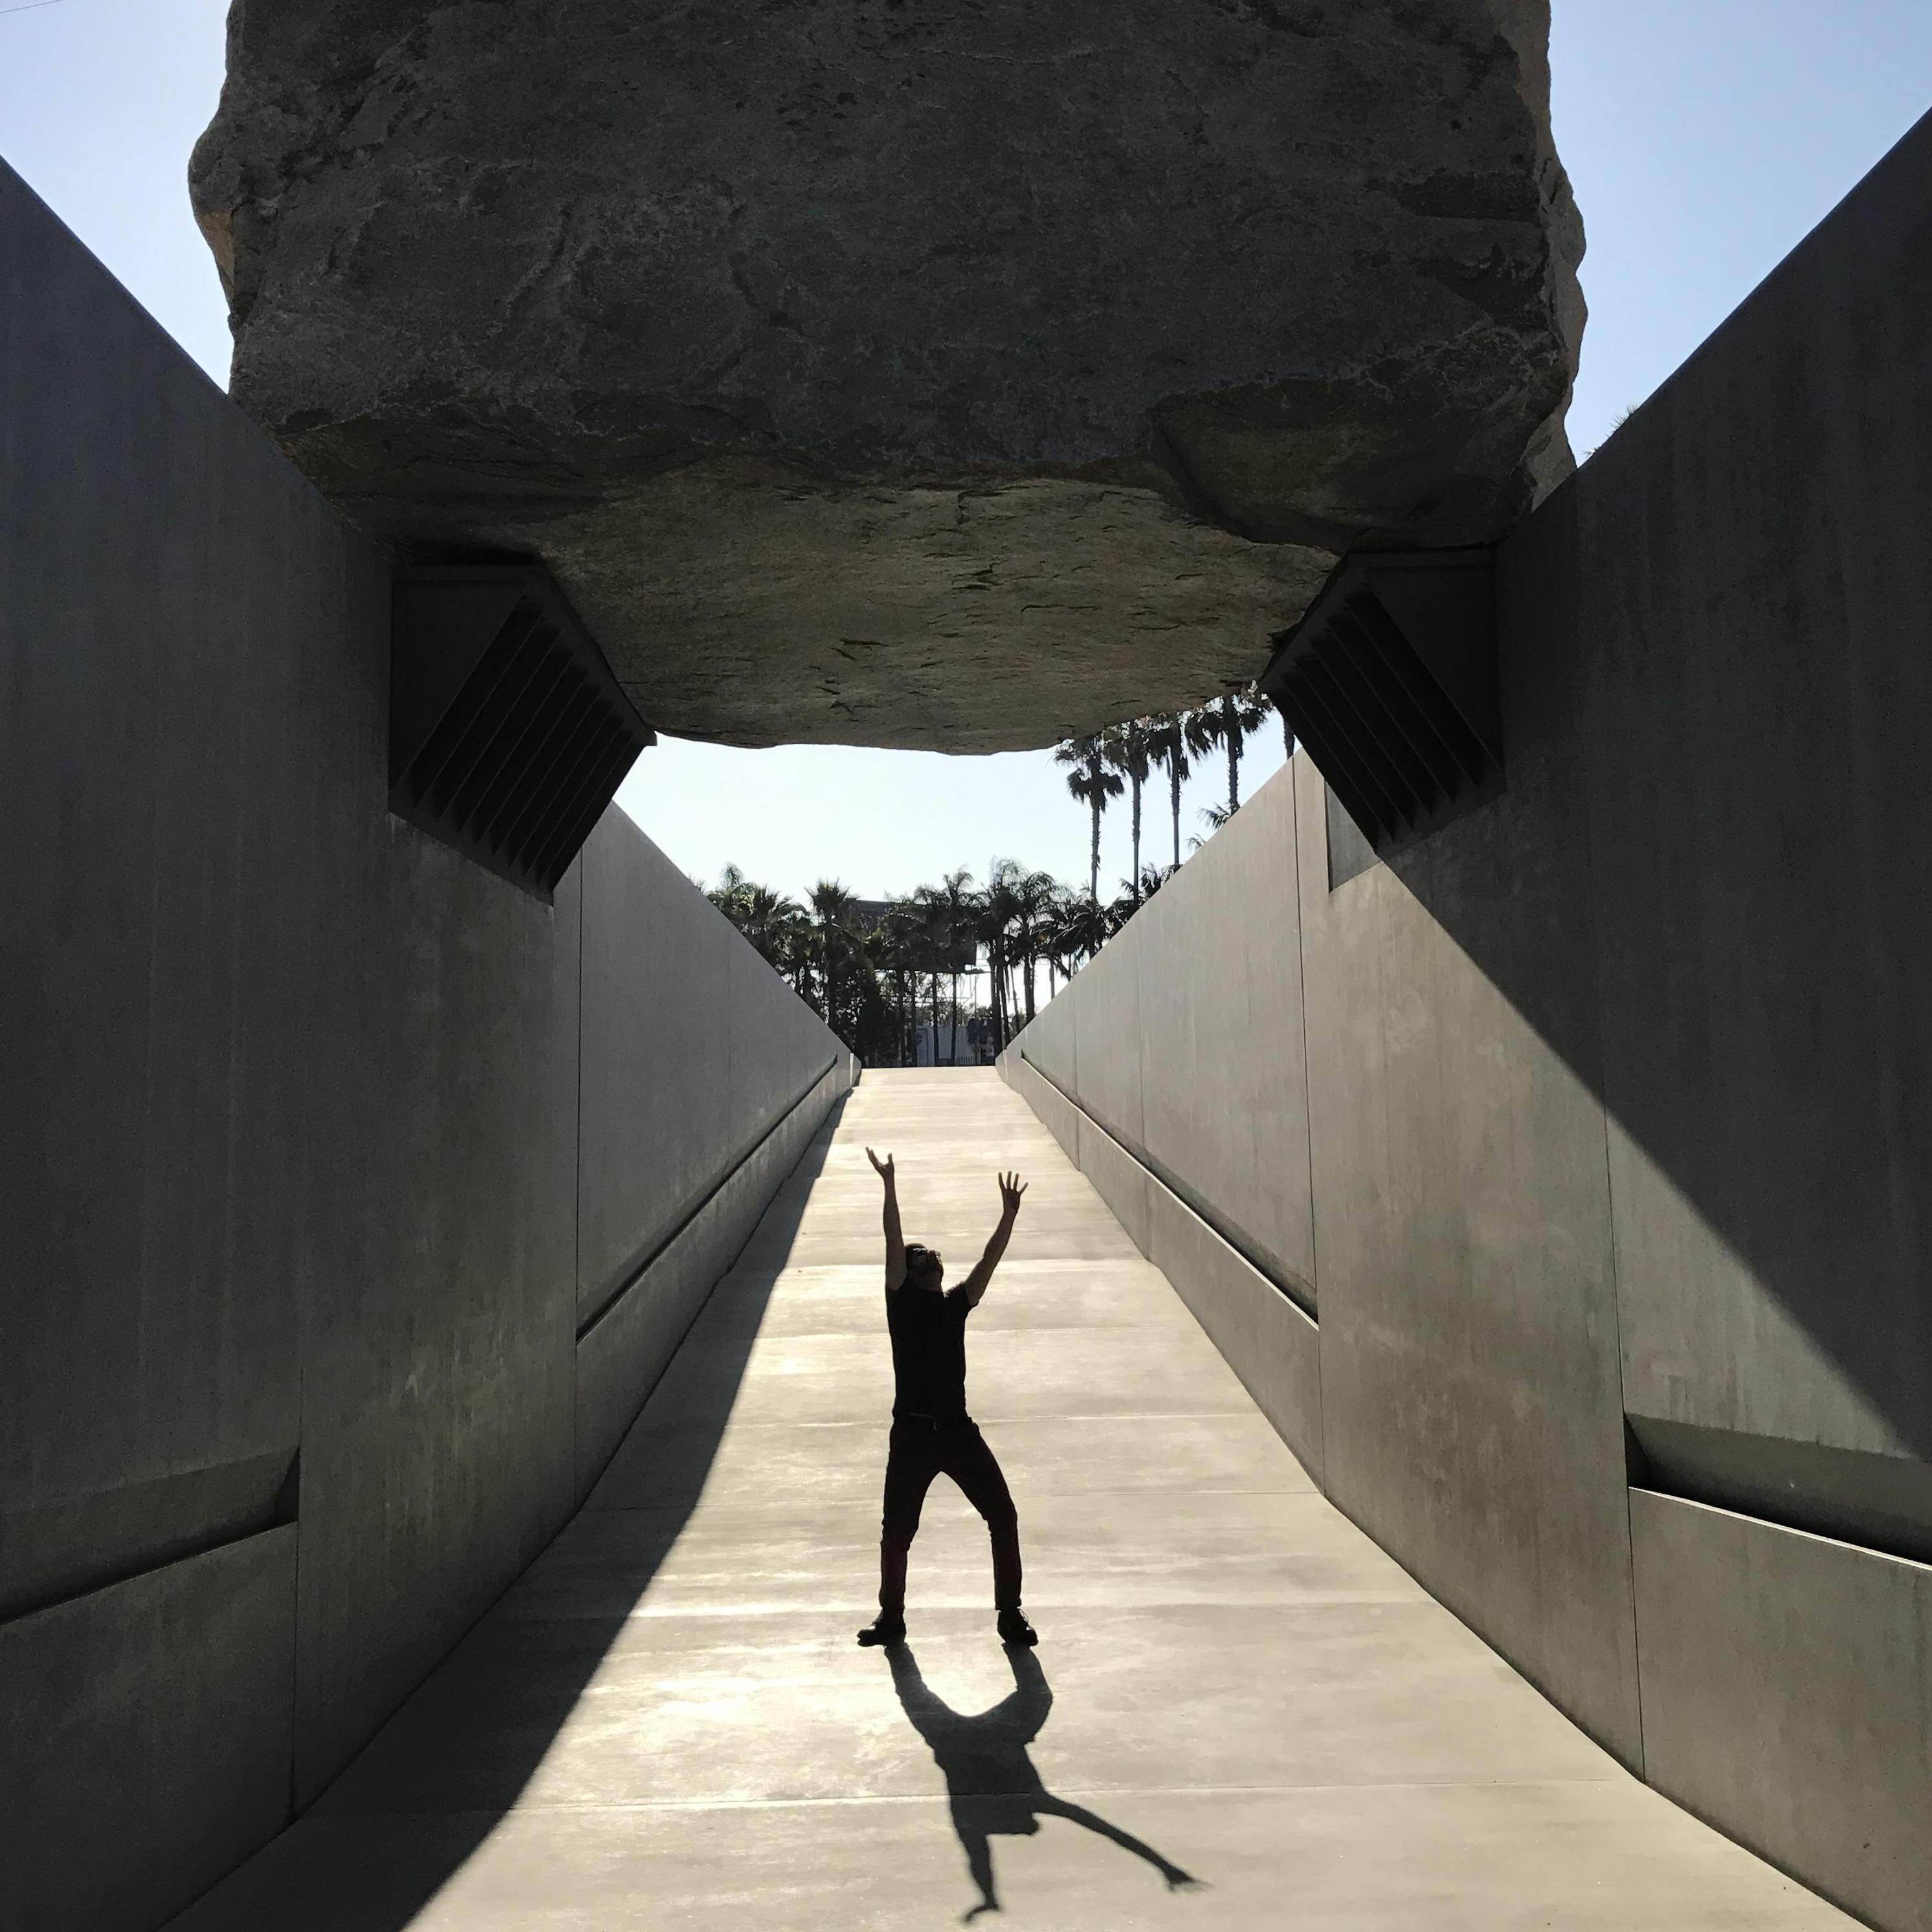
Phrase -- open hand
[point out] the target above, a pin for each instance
(883, 1167)
(1011, 1189)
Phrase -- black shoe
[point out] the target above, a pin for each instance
(1014, 1628)
(883, 1630)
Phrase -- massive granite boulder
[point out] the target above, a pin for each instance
(946, 372)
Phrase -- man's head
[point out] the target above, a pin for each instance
(924, 1268)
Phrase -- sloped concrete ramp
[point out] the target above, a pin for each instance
(1241, 1714)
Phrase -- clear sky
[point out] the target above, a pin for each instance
(1705, 138)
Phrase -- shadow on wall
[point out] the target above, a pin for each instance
(457, 1756)
(1704, 898)
(994, 1788)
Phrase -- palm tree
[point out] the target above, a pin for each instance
(770, 921)
(900, 943)
(1083, 929)
(1167, 747)
(1090, 779)
(1135, 892)
(935, 922)
(773, 923)
(1229, 722)
(1214, 817)
(1054, 947)
(1287, 734)
(731, 896)
(1033, 896)
(955, 889)
(1127, 753)
(999, 918)
(834, 938)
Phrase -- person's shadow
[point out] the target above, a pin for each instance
(990, 1779)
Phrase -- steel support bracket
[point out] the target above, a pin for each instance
(1390, 682)
(508, 736)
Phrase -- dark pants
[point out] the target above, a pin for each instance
(923, 1448)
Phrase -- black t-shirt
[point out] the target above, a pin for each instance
(929, 1334)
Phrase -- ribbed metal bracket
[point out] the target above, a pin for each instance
(507, 735)
(1390, 682)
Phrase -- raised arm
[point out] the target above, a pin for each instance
(976, 1284)
(895, 1267)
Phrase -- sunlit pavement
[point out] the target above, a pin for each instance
(1241, 1713)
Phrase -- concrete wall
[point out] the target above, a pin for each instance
(1616, 1096)
(321, 1146)
(1235, 1145)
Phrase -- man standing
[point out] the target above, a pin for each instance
(932, 1434)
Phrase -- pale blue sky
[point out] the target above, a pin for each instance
(1705, 138)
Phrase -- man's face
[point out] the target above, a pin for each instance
(927, 1270)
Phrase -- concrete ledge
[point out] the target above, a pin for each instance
(1119, 1179)
(1785, 1698)
(621, 1355)
(1057, 1114)
(1266, 1340)
(146, 1738)
(76, 1545)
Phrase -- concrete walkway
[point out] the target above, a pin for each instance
(1241, 1714)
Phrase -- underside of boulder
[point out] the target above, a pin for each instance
(956, 373)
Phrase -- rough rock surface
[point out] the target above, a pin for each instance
(951, 372)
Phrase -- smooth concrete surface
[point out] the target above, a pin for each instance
(1271, 1345)
(172, 1696)
(1472, 1412)
(1797, 1728)
(742, 1052)
(290, 1166)
(621, 1356)
(1754, 598)
(1615, 1090)
(1460, 1397)
(1212, 1095)
(1241, 1713)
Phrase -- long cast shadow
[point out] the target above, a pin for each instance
(1752, 1057)
(992, 1784)
(475, 1731)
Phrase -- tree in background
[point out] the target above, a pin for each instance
(1167, 747)
(1214, 817)
(775, 924)
(1019, 915)
(999, 919)
(1081, 927)
(828, 960)
(1033, 896)
(864, 1016)
(898, 949)
(866, 980)
(1127, 752)
(1090, 780)
(935, 918)
(1228, 723)
(834, 940)
(962, 916)
(1054, 948)
(1135, 893)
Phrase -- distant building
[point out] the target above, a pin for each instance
(868, 915)
(974, 1045)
